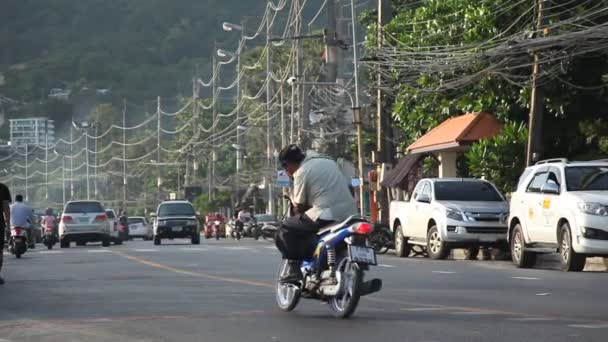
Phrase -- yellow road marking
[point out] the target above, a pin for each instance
(192, 273)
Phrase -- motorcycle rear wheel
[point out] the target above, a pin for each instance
(287, 295)
(350, 276)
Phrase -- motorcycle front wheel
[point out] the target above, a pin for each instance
(350, 277)
(287, 295)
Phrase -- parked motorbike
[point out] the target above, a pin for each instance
(381, 239)
(235, 230)
(268, 231)
(336, 271)
(17, 245)
(50, 238)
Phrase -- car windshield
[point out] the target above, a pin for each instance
(110, 214)
(587, 178)
(467, 191)
(176, 209)
(83, 207)
(265, 218)
(133, 220)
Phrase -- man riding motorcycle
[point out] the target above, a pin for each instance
(320, 196)
(22, 216)
(49, 220)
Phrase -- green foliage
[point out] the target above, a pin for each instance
(501, 158)
(203, 205)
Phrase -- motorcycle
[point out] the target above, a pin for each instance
(381, 239)
(17, 244)
(235, 230)
(213, 229)
(336, 271)
(49, 239)
(269, 231)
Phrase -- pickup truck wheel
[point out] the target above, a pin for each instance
(105, 242)
(570, 261)
(434, 244)
(471, 253)
(402, 247)
(521, 258)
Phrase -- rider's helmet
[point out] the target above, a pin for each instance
(291, 154)
(49, 211)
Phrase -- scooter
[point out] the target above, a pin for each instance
(17, 244)
(49, 239)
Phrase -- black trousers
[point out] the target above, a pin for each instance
(296, 238)
(2, 239)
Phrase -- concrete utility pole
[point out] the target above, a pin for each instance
(158, 126)
(72, 162)
(26, 174)
(331, 43)
(537, 102)
(239, 138)
(124, 154)
(215, 99)
(269, 138)
(46, 159)
(96, 124)
(86, 146)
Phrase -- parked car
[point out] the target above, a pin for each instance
(139, 227)
(82, 222)
(266, 225)
(560, 206)
(175, 220)
(113, 223)
(447, 213)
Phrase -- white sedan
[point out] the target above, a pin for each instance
(140, 227)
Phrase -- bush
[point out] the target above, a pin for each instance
(500, 159)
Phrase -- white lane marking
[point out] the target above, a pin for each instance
(443, 272)
(194, 249)
(422, 309)
(526, 278)
(472, 313)
(145, 250)
(50, 252)
(543, 294)
(238, 248)
(98, 251)
(387, 266)
(270, 247)
(530, 319)
(590, 326)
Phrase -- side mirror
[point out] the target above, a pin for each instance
(423, 198)
(550, 188)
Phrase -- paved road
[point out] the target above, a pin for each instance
(222, 291)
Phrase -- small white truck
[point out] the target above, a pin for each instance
(447, 213)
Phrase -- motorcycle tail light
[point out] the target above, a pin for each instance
(363, 228)
(49, 229)
(67, 219)
(18, 231)
(122, 227)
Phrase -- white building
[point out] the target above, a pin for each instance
(32, 131)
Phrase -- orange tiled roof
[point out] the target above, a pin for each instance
(457, 131)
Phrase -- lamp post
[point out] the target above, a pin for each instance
(86, 125)
(62, 175)
(358, 124)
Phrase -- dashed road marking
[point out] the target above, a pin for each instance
(530, 319)
(543, 294)
(444, 272)
(590, 326)
(526, 278)
(145, 250)
(238, 248)
(49, 252)
(386, 266)
(472, 313)
(98, 251)
(422, 309)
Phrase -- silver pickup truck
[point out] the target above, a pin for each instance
(447, 213)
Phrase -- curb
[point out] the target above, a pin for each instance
(550, 261)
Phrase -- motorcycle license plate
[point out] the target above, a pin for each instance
(362, 254)
(176, 229)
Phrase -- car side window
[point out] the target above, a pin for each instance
(427, 190)
(537, 182)
(418, 190)
(555, 176)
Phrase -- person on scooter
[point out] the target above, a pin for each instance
(5, 216)
(22, 216)
(49, 220)
(320, 196)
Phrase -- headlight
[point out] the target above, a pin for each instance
(504, 217)
(454, 214)
(593, 209)
(218, 223)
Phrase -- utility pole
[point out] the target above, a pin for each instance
(124, 154)
(239, 139)
(269, 138)
(295, 89)
(331, 46)
(537, 101)
(95, 155)
(46, 159)
(63, 178)
(71, 162)
(26, 174)
(158, 161)
(86, 146)
(215, 100)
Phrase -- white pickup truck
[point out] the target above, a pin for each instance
(446, 213)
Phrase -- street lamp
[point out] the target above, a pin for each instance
(228, 27)
(62, 175)
(86, 125)
(356, 121)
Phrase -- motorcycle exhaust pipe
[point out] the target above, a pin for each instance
(371, 286)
